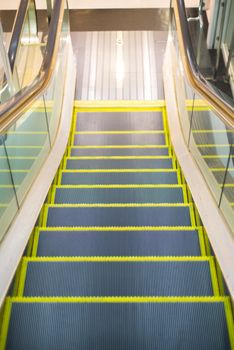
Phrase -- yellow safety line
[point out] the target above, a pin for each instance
(214, 279)
(207, 243)
(5, 323)
(117, 258)
(116, 157)
(35, 241)
(164, 118)
(117, 228)
(24, 147)
(119, 132)
(133, 299)
(125, 105)
(213, 145)
(118, 146)
(216, 156)
(117, 170)
(220, 278)
(19, 157)
(27, 132)
(22, 278)
(230, 322)
(119, 205)
(201, 241)
(221, 169)
(192, 215)
(196, 103)
(17, 279)
(14, 171)
(121, 186)
(211, 131)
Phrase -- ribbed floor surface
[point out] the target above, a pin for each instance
(119, 259)
(148, 326)
(118, 243)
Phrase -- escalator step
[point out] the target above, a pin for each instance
(68, 216)
(119, 195)
(118, 243)
(160, 163)
(156, 151)
(105, 326)
(120, 139)
(150, 278)
(159, 177)
(88, 121)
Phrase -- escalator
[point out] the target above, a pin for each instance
(119, 257)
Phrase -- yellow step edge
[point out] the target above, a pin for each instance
(114, 105)
(20, 157)
(133, 299)
(27, 132)
(117, 170)
(119, 132)
(121, 186)
(212, 145)
(117, 146)
(212, 131)
(116, 157)
(117, 205)
(117, 258)
(216, 156)
(117, 228)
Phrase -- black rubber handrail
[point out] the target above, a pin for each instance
(12, 109)
(222, 105)
(17, 31)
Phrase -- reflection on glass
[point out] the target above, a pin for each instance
(27, 144)
(8, 202)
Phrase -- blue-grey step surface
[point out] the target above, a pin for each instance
(119, 151)
(125, 326)
(123, 216)
(159, 177)
(119, 195)
(99, 121)
(159, 163)
(158, 278)
(120, 139)
(118, 243)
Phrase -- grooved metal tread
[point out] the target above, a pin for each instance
(119, 163)
(118, 243)
(119, 151)
(105, 326)
(94, 121)
(119, 195)
(161, 177)
(150, 278)
(118, 216)
(120, 139)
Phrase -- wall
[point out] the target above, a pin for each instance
(88, 4)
